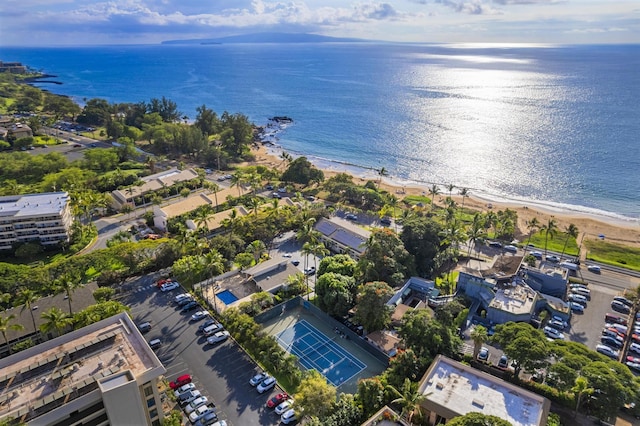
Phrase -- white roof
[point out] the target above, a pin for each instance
(462, 389)
(33, 204)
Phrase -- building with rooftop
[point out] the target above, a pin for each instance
(454, 389)
(343, 237)
(102, 374)
(151, 183)
(44, 218)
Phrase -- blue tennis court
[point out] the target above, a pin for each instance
(316, 351)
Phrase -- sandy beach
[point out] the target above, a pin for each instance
(591, 226)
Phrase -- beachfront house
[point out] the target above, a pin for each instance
(165, 179)
(343, 237)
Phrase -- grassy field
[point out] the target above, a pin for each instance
(555, 244)
(614, 254)
(413, 200)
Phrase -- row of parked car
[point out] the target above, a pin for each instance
(578, 297)
(282, 404)
(617, 330)
(198, 408)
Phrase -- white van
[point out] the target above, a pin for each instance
(570, 266)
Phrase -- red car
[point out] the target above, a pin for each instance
(180, 381)
(162, 281)
(276, 400)
(633, 359)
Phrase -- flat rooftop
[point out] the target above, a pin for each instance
(33, 204)
(516, 297)
(44, 377)
(461, 389)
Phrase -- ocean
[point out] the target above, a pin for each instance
(553, 125)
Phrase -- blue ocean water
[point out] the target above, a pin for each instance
(549, 124)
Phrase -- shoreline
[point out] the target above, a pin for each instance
(591, 224)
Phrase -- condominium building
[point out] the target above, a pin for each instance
(102, 374)
(155, 182)
(45, 218)
(343, 237)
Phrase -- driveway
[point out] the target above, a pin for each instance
(220, 372)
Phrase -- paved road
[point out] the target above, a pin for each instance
(221, 372)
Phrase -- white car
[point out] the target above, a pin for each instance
(594, 268)
(181, 296)
(199, 315)
(284, 406)
(288, 417)
(218, 337)
(552, 333)
(257, 379)
(268, 383)
(184, 388)
(169, 286)
(200, 412)
(191, 407)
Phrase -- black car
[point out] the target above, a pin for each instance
(495, 244)
(611, 342)
(206, 324)
(190, 306)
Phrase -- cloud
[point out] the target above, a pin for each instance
(520, 2)
(595, 30)
(472, 7)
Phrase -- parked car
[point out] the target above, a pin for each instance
(212, 329)
(200, 412)
(210, 419)
(188, 396)
(606, 350)
(613, 334)
(190, 408)
(218, 337)
(288, 417)
(169, 286)
(611, 342)
(155, 343)
(266, 384)
(582, 292)
(553, 259)
(503, 363)
(608, 317)
(576, 298)
(624, 300)
(594, 268)
(635, 348)
(185, 301)
(206, 324)
(623, 329)
(182, 296)
(257, 379)
(352, 217)
(576, 308)
(552, 333)
(310, 270)
(277, 400)
(144, 327)
(283, 407)
(385, 221)
(483, 355)
(511, 248)
(557, 323)
(199, 315)
(495, 244)
(184, 388)
(182, 380)
(633, 359)
(620, 307)
(633, 366)
(190, 306)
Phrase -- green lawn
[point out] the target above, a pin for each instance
(555, 244)
(614, 254)
(412, 200)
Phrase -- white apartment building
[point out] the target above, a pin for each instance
(45, 218)
(102, 374)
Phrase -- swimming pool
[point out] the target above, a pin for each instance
(227, 297)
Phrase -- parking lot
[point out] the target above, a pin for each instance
(587, 328)
(220, 372)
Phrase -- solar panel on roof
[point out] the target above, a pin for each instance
(325, 227)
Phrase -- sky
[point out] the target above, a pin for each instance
(93, 22)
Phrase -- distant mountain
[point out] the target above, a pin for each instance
(269, 38)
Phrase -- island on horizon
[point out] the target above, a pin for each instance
(270, 37)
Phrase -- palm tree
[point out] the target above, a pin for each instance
(306, 232)
(381, 173)
(5, 325)
(479, 335)
(451, 187)
(56, 320)
(307, 249)
(532, 225)
(549, 230)
(464, 193)
(203, 215)
(253, 203)
(27, 297)
(215, 188)
(238, 179)
(580, 389)
(572, 232)
(257, 248)
(66, 285)
(475, 233)
(409, 398)
(433, 192)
